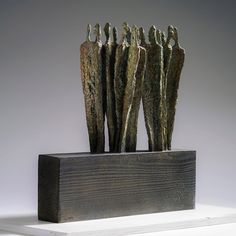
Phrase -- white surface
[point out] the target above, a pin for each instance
(148, 224)
(216, 230)
(4, 233)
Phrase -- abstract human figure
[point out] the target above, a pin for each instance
(131, 136)
(91, 75)
(173, 77)
(142, 37)
(163, 85)
(109, 70)
(120, 80)
(127, 32)
(153, 94)
(116, 77)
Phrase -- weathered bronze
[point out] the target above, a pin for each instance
(173, 77)
(120, 81)
(117, 76)
(91, 75)
(110, 52)
(167, 53)
(153, 94)
(132, 95)
(131, 135)
(167, 49)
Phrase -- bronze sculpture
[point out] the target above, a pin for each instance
(131, 136)
(91, 69)
(109, 67)
(173, 77)
(117, 76)
(153, 94)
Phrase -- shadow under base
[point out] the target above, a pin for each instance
(84, 186)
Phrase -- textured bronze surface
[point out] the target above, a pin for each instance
(131, 83)
(131, 134)
(91, 75)
(153, 97)
(120, 82)
(110, 53)
(82, 186)
(167, 54)
(173, 77)
(116, 76)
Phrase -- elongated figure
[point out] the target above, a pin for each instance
(120, 81)
(91, 75)
(131, 83)
(173, 77)
(153, 94)
(131, 136)
(110, 52)
(162, 119)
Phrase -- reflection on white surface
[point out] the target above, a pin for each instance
(203, 215)
(216, 230)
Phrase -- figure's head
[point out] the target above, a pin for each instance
(107, 30)
(134, 35)
(88, 32)
(176, 37)
(141, 35)
(163, 38)
(152, 35)
(158, 36)
(97, 32)
(170, 35)
(127, 30)
(126, 27)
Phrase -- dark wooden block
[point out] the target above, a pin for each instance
(82, 186)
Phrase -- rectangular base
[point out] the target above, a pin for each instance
(82, 186)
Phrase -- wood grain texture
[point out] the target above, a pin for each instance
(84, 186)
(48, 188)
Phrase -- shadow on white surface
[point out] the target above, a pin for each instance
(203, 215)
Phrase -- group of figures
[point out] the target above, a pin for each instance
(117, 76)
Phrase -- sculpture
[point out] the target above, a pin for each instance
(116, 77)
(153, 94)
(92, 80)
(109, 68)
